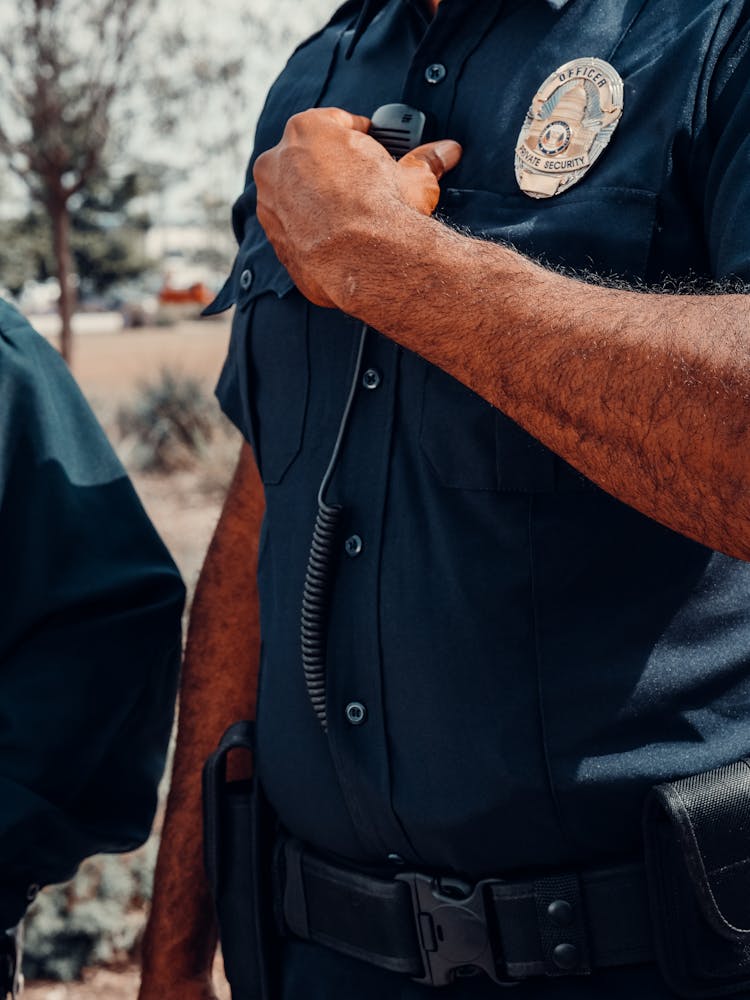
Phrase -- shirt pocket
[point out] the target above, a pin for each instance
(607, 232)
(265, 382)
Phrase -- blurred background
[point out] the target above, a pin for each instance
(125, 128)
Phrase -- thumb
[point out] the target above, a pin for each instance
(440, 156)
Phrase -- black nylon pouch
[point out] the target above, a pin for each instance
(237, 832)
(697, 839)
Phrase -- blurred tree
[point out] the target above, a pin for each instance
(106, 237)
(25, 251)
(72, 66)
(66, 61)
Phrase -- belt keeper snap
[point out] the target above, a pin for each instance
(562, 925)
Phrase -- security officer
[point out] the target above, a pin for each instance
(512, 655)
(90, 634)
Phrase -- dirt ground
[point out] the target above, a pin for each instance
(99, 983)
(110, 367)
(106, 984)
(112, 364)
(183, 506)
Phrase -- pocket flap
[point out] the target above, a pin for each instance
(575, 231)
(256, 270)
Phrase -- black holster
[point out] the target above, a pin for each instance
(238, 835)
(697, 834)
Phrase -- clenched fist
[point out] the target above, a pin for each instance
(328, 191)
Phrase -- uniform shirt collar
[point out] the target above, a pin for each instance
(371, 7)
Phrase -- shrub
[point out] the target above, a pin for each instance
(97, 919)
(168, 425)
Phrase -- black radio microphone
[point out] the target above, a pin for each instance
(399, 128)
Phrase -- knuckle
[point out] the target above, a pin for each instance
(259, 168)
(295, 123)
(421, 162)
(299, 121)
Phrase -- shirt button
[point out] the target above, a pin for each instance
(356, 713)
(435, 73)
(371, 378)
(353, 546)
(246, 279)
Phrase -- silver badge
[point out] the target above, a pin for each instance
(568, 126)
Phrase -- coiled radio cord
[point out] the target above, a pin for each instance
(317, 590)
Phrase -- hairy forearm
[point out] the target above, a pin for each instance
(646, 394)
(643, 393)
(219, 685)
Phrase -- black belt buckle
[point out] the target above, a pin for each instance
(453, 931)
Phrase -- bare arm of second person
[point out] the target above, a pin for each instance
(219, 684)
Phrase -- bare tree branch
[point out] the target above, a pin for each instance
(72, 72)
(67, 60)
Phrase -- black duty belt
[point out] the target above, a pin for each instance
(435, 928)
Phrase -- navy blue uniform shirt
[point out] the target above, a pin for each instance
(90, 606)
(531, 653)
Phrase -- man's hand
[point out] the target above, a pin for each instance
(328, 189)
